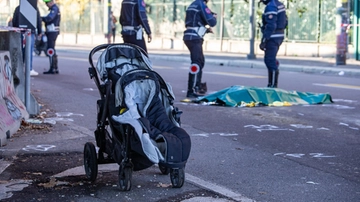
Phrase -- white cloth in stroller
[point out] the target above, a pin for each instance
(138, 96)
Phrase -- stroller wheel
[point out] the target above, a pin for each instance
(90, 161)
(125, 175)
(164, 170)
(177, 177)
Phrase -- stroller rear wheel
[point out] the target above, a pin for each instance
(90, 161)
(177, 177)
(125, 175)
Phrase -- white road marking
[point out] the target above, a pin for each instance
(299, 155)
(336, 85)
(345, 124)
(4, 165)
(162, 67)
(220, 134)
(236, 75)
(77, 59)
(216, 188)
(300, 126)
(7, 187)
(342, 100)
(266, 127)
(38, 147)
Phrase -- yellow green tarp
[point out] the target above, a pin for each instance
(236, 95)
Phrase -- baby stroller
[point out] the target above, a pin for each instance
(40, 45)
(137, 124)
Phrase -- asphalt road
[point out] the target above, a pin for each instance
(298, 153)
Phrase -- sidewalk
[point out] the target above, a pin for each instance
(317, 65)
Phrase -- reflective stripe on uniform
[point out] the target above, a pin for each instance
(193, 9)
(276, 35)
(271, 12)
(191, 34)
(281, 10)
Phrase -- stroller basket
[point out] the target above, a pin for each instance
(137, 124)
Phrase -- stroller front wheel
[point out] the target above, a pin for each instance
(125, 175)
(177, 177)
(90, 161)
(164, 170)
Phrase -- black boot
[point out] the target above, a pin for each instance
(273, 78)
(276, 77)
(51, 70)
(191, 93)
(55, 61)
(201, 89)
(270, 78)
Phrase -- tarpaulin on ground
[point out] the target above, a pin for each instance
(236, 95)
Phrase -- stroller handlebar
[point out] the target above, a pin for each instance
(96, 49)
(105, 46)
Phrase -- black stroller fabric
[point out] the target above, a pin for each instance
(143, 99)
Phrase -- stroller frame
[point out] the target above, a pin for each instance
(120, 136)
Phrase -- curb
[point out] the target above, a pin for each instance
(260, 65)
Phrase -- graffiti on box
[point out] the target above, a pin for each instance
(12, 109)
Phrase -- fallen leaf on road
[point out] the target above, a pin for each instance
(52, 183)
(163, 185)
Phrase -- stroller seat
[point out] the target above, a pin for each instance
(139, 91)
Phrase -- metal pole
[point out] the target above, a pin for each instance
(252, 55)
(341, 35)
(357, 29)
(222, 26)
(173, 23)
(27, 67)
(109, 21)
(106, 16)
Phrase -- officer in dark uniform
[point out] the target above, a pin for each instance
(198, 15)
(274, 21)
(52, 23)
(133, 20)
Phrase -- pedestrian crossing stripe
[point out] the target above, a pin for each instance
(237, 75)
(336, 85)
(163, 67)
(28, 15)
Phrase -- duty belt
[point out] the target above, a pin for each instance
(193, 28)
(131, 27)
(201, 31)
(52, 28)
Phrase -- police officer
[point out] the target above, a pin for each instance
(198, 15)
(133, 20)
(52, 23)
(274, 21)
